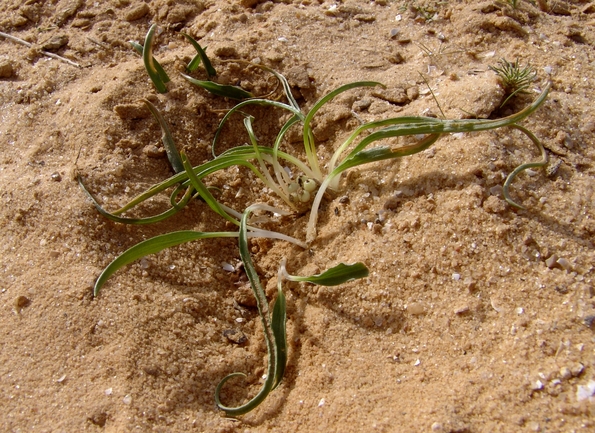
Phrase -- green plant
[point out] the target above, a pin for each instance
(515, 79)
(275, 168)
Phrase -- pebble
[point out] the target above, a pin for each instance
(55, 43)
(583, 392)
(415, 308)
(21, 302)
(462, 309)
(153, 151)
(235, 336)
(6, 68)
(137, 12)
(57, 177)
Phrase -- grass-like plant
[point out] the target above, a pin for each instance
(515, 79)
(297, 183)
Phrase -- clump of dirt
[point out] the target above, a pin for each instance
(476, 316)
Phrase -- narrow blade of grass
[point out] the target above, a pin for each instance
(150, 65)
(336, 275)
(168, 142)
(137, 221)
(200, 56)
(278, 327)
(162, 74)
(276, 354)
(152, 246)
(232, 92)
(204, 191)
(309, 144)
(523, 167)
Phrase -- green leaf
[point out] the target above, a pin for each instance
(150, 66)
(162, 74)
(278, 326)
(204, 191)
(336, 275)
(168, 142)
(138, 221)
(152, 246)
(232, 92)
(277, 355)
(201, 56)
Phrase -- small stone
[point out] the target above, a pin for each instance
(364, 18)
(494, 205)
(416, 308)
(127, 399)
(21, 302)
(576, 369)
(55, 42)
(588, 321)
(462, 309)
(244, 296)
(179, 14)
(225, 50)
(235, 336)
(125, 143)
(56, 177)
(153, 151)
(413, 92)
(565, 373)
(81, 23)
(564, 263)
(132, 111)
(137, 12)
(249, 3)
(551, 261)
(6, 68)
(583, 392)
(99, 418)
(362, 104)
(396, 96)
(67, 10)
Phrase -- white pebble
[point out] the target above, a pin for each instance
(127, 399)
(321, 402)
(227, 267)
(584, 392)
(109, 391)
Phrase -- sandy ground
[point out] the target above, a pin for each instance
(476, 317)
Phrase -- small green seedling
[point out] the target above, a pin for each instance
(157, 74)
(515, 79)
(201, 56)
